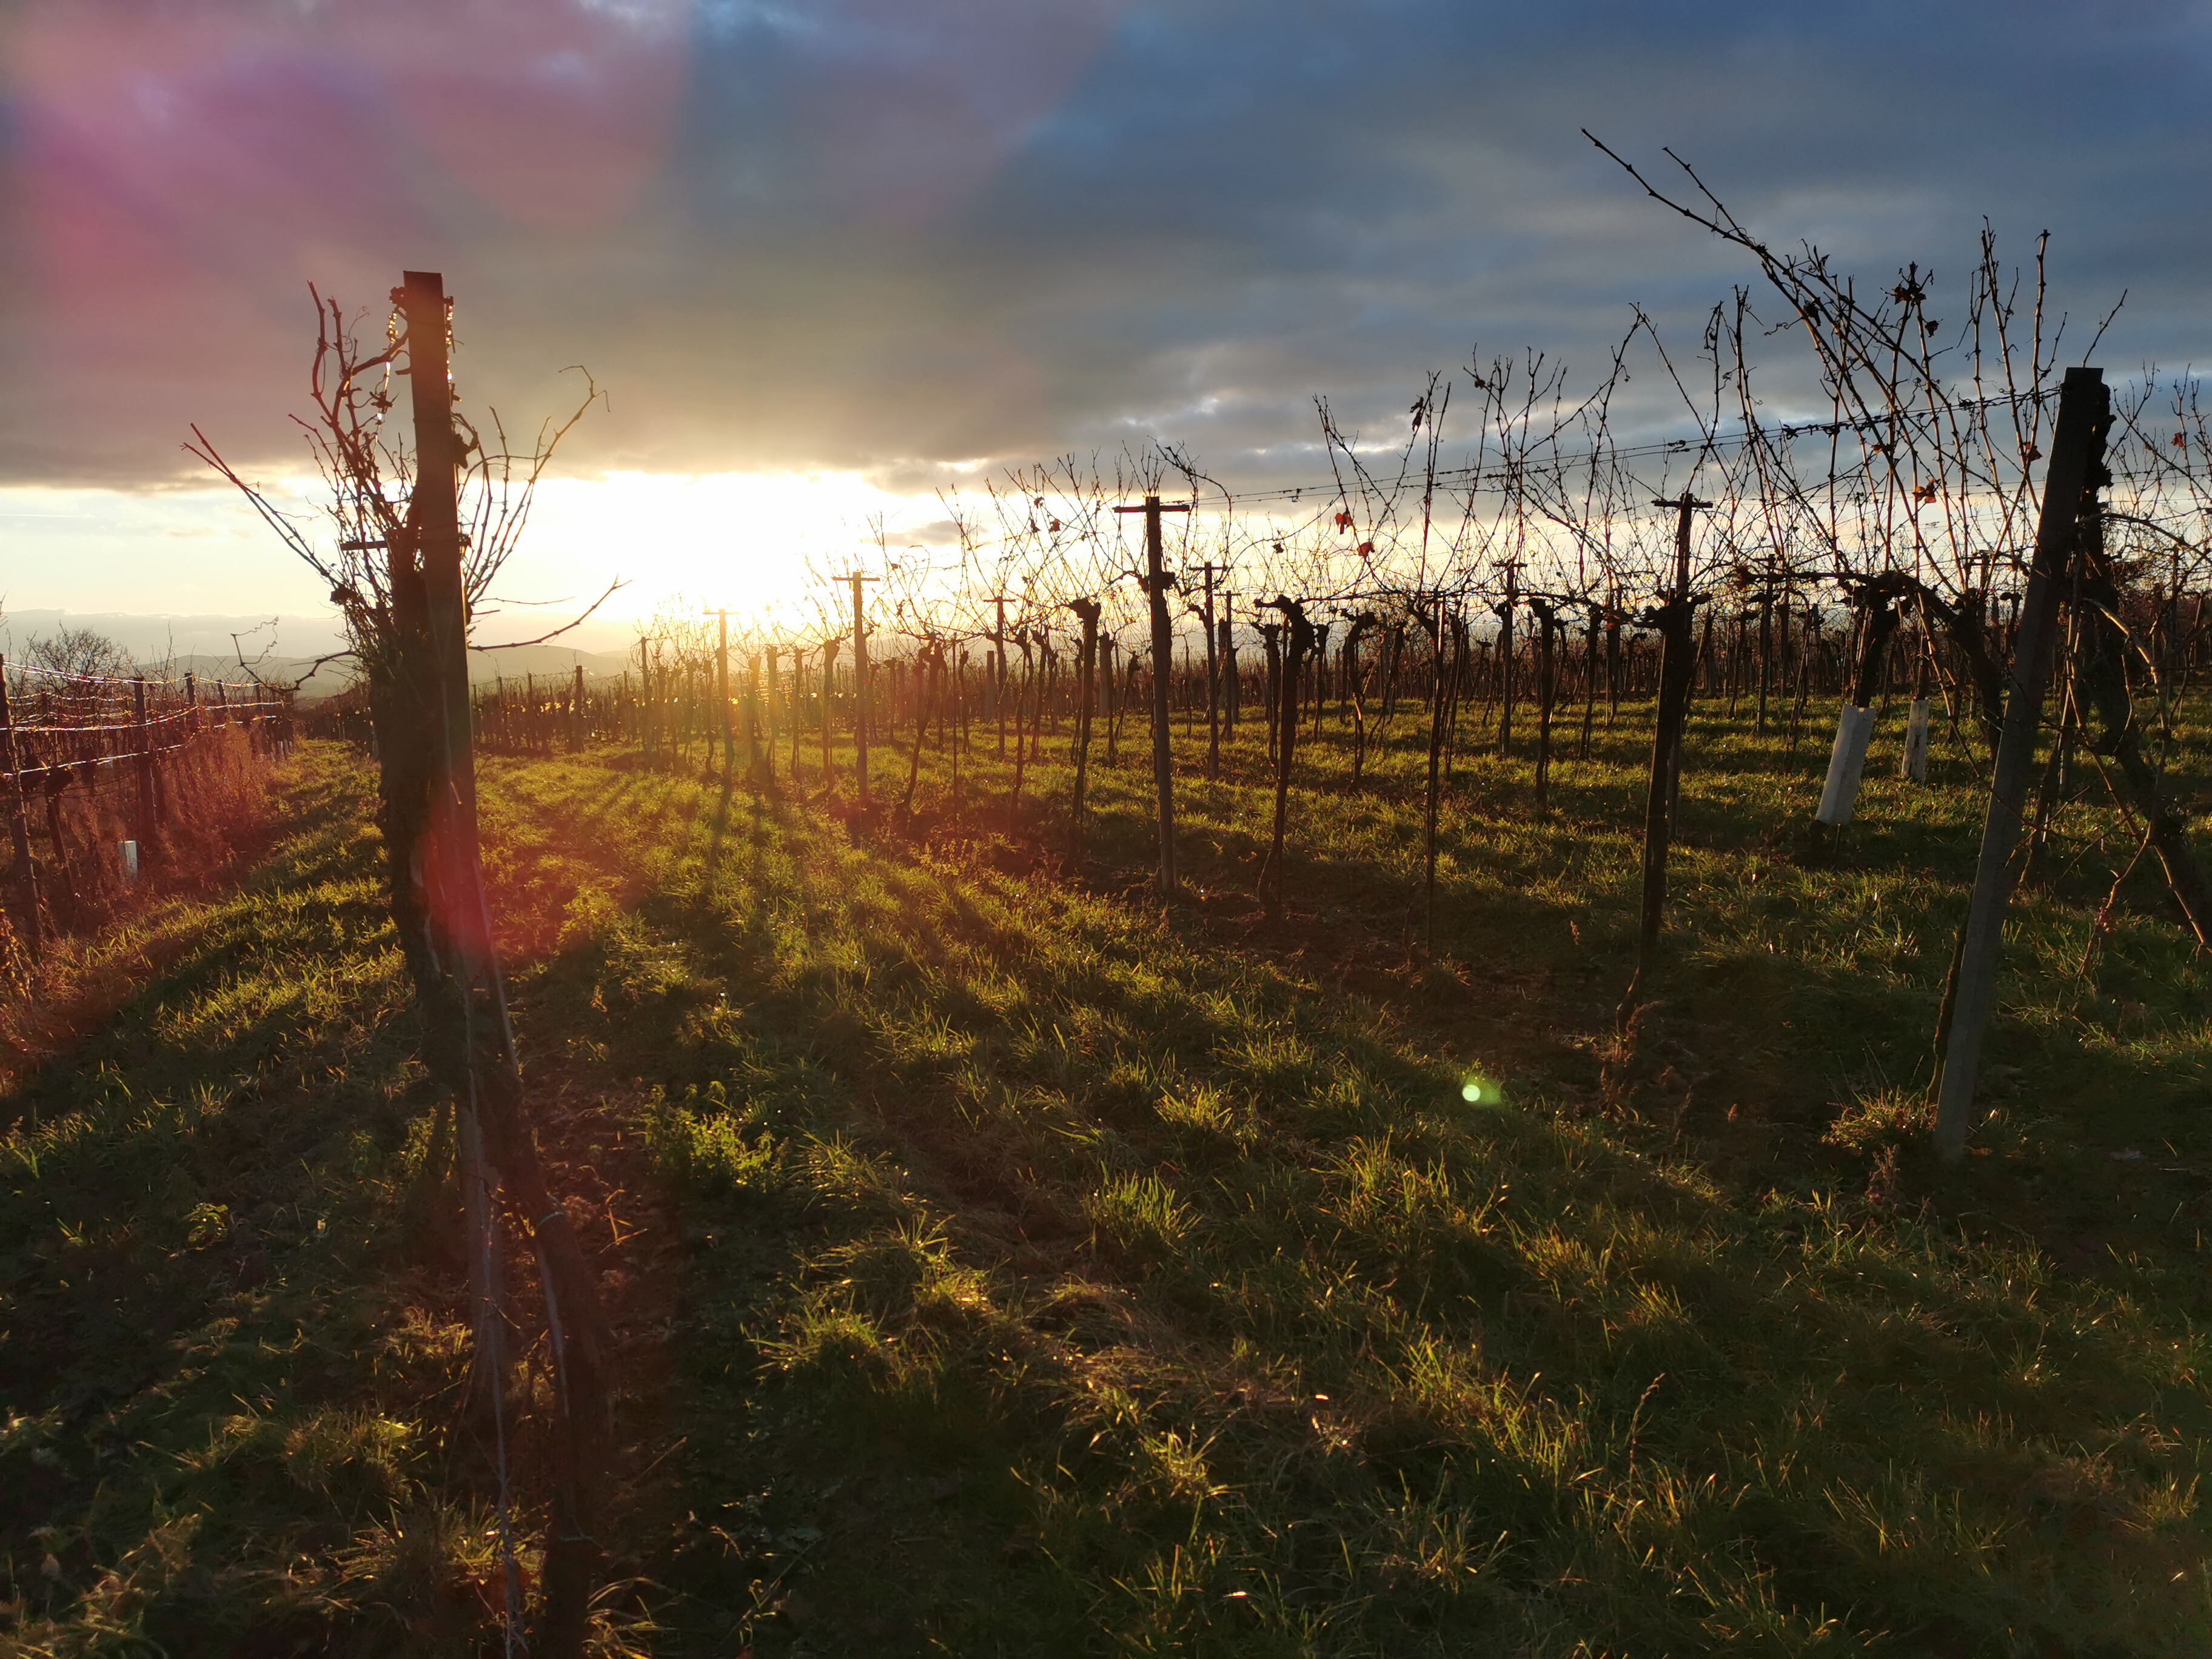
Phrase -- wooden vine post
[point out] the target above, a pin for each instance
(860, 688)
(141, 740)
(1765, 650)
(998, 637)
(1207, 573)
(722, 696)
(1547, 612)
(2069, 493)
(772, 710)
(1088, 611)
(32, 927)
(1225, 645)
(1157, 582)
(1594, 628)
(1297, 647)
(1506, 660)
(829, 688)
(471, 1043)
(756, 725)
(1676, 661)
(1432, 797)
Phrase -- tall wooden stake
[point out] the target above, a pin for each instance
(1157, 584)
(142, 740)
(1088, 611)
(19, 828)
(860, 687)
(490, 1084)
(1547, 624)
(998, 671)
(1677, 659)
(1208, 571)
(722, 696)
(1506, 661)
(1299, 645)
(2070, 488)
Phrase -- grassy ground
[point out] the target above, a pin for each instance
(1006, 1264)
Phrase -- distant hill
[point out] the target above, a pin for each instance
(545, 662)
(160, 639)
(285, 648)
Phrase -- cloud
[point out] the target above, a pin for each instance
(898, 237)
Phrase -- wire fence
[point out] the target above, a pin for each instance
(120, 776)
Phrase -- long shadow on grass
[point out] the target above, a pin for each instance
(1130, 1294)
(1295, 1319)
(202, 1401)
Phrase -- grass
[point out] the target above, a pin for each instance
(1006, 1264)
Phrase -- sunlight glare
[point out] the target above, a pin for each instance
(742, 539)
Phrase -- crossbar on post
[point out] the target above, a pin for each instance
(1157, 582)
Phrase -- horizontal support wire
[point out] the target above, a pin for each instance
(146, 680)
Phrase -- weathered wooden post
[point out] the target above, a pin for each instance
(1299, 644)
(1271, 686)
(959, 731)
(1113, 700)
(1677, 659)
(722, 696)
(1157, 581)
(1619, 656)
(476, 1045)
(1088, 611)
(860, 687)
(1352, 678)
(1593, 631)
(1504, 610)
(771, 711)
(1547, 627)
(1766, 651)
(753, 721)
(828, 688)
(141, 740)
(1227, 649)
(921, 677)
(2069, 489)
(998, 679)
(1208, 571)
(1031, 681)
(795, 708)
(33, 926)
(1432, 798)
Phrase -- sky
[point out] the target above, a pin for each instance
(828, 258)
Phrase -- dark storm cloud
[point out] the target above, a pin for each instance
(866, 234)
